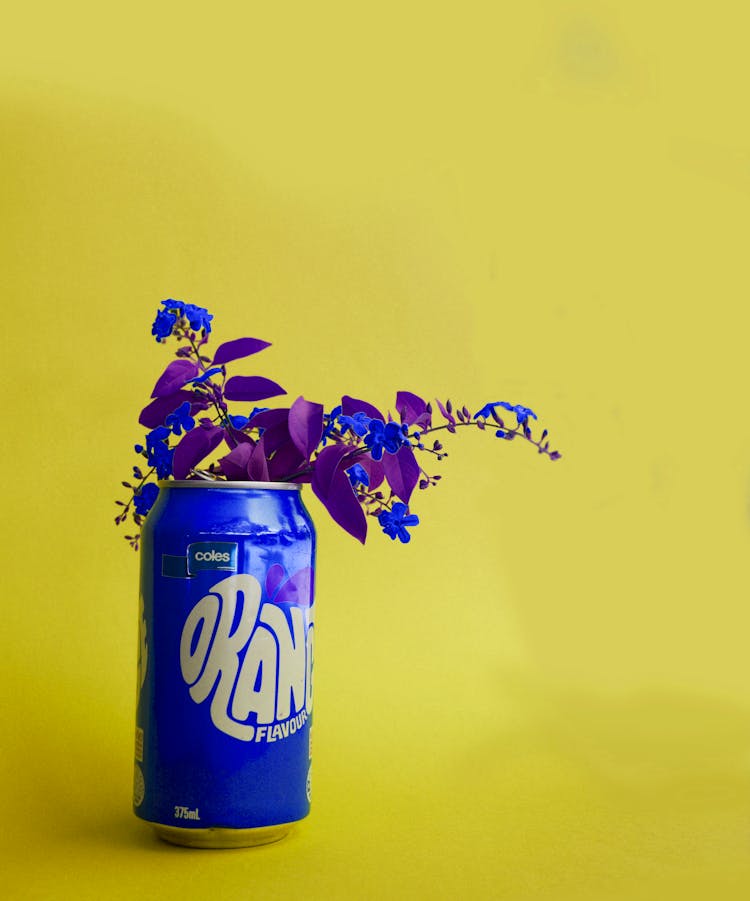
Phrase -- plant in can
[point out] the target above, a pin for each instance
(358, 461)
(223, 745)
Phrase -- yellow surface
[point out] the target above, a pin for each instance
(545, 695)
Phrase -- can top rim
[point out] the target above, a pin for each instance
(222, 483)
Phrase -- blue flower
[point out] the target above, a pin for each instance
(239, 422)
(258, 410)
(358, 475)
(180, 419)
(197, 317)
(486, 410)
(330, 424)
(387, 437)
(395, 521)
(359, 423)
(206, 375)
(163, 325)
(522, 413)
(144, 500)
(157, 452)
(396, 436)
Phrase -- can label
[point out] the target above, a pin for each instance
(248, 660)
(225, 686)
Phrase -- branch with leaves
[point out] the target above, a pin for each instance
(358, 462)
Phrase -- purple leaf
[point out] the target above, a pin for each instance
(326, 463)
(269, 418)
(412, 409)
(234, 465)
(251, 387)
(235, 350)
(157, 411)
(257, 467)
(332, 487)
(350, 406)
(306, 425)
(233, 437)
(402, 471)
(373, 468)
(174, 377)
(298, 589)
(194, 447)
(341, 502)
(274, 437)
(285, 462)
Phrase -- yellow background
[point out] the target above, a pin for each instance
(545, 695)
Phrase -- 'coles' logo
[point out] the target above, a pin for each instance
(203, 555)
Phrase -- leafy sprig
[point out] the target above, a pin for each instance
(358, 462)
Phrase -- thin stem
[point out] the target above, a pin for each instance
(429, 450)
(384, 504)
(518, 430)
(136, 489)
(187, 333)
(217, 401)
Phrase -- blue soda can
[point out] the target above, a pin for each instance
(224, 709)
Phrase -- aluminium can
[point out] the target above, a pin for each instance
(225, 663)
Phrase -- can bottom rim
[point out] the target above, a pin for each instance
(221, 837)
